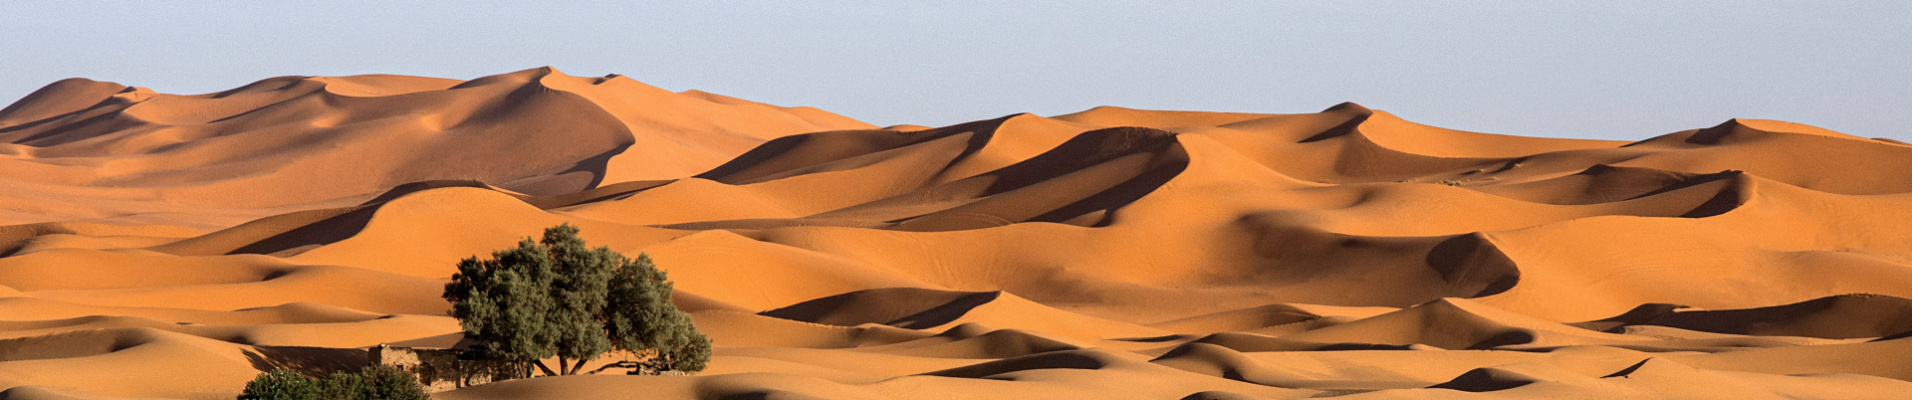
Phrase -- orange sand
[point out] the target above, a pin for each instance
(168, 246)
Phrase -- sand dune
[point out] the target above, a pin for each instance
(292, 142)
(172, 246)
(1836, 317)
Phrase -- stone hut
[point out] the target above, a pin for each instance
(441, 369)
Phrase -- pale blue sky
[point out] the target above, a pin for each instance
(1618, 70)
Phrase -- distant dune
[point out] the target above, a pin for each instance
(172, 246)
(96, 151)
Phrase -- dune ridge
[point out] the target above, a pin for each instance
(171, 246)
(293, 142)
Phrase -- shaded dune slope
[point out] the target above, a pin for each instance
(1835, 317)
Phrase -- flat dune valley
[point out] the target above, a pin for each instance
(161, 246)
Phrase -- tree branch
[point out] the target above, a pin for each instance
(547, 370)
(619, 364)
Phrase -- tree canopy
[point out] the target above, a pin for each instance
(640, 316)
(559, 297)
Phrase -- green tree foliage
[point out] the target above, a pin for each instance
(578, 291)
(280, 384)
(504, 302)
(379, 382)
(640, 316)
(687, 350)
(560, 297)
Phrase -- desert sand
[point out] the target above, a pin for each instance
(173, 246)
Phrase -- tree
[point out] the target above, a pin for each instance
(640, 316)
(579, 290)
(686, 349)
(503, 303)
(559, 297)
(280, 384)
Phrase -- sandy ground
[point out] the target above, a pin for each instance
(172, 246)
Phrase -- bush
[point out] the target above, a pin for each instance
(344, 386)
(387, 383)
(379, 382)
(280, 384)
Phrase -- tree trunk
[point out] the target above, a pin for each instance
(541, 366)
(564, 365)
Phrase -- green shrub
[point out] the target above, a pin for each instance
(387, 383)
(344, 386)
(378, 382)
(280, 384)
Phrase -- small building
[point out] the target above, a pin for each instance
(441, 369)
